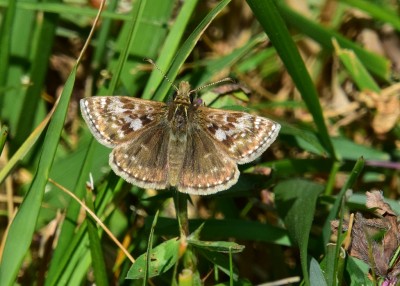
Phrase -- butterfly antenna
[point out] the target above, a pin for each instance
(213, 83)
(162, 73)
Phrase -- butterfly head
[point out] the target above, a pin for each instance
(183, 93)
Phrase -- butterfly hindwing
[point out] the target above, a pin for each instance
(206, 169)
(143, 160)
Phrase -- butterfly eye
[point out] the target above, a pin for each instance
(197, 102)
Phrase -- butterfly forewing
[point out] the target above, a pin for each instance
(242, 136)
(115, 119)
(206, 168)
(143, 160)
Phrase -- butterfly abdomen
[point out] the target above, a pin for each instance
(176, 155)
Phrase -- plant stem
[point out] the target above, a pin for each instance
(180, 201)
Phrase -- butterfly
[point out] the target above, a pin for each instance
(181, 144)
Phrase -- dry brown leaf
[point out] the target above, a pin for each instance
(376, 237)
(387, 106)
(375, 201)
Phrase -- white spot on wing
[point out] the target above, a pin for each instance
(136, 124)
(220, 135)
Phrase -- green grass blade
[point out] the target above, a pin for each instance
(186, 49)
(98, 259)
(149, 248)
(273, 24)
(170, 47)
(338, 201)
(21, 230)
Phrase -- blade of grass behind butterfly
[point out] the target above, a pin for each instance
(169, 48)
(273, 24)
(187, 48)
(21, 230)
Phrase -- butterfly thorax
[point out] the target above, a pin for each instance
(181, 110)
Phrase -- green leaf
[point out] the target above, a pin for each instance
(357, 270)
(292, 198)
(316, 274)
(162, 258)
(350, 150)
